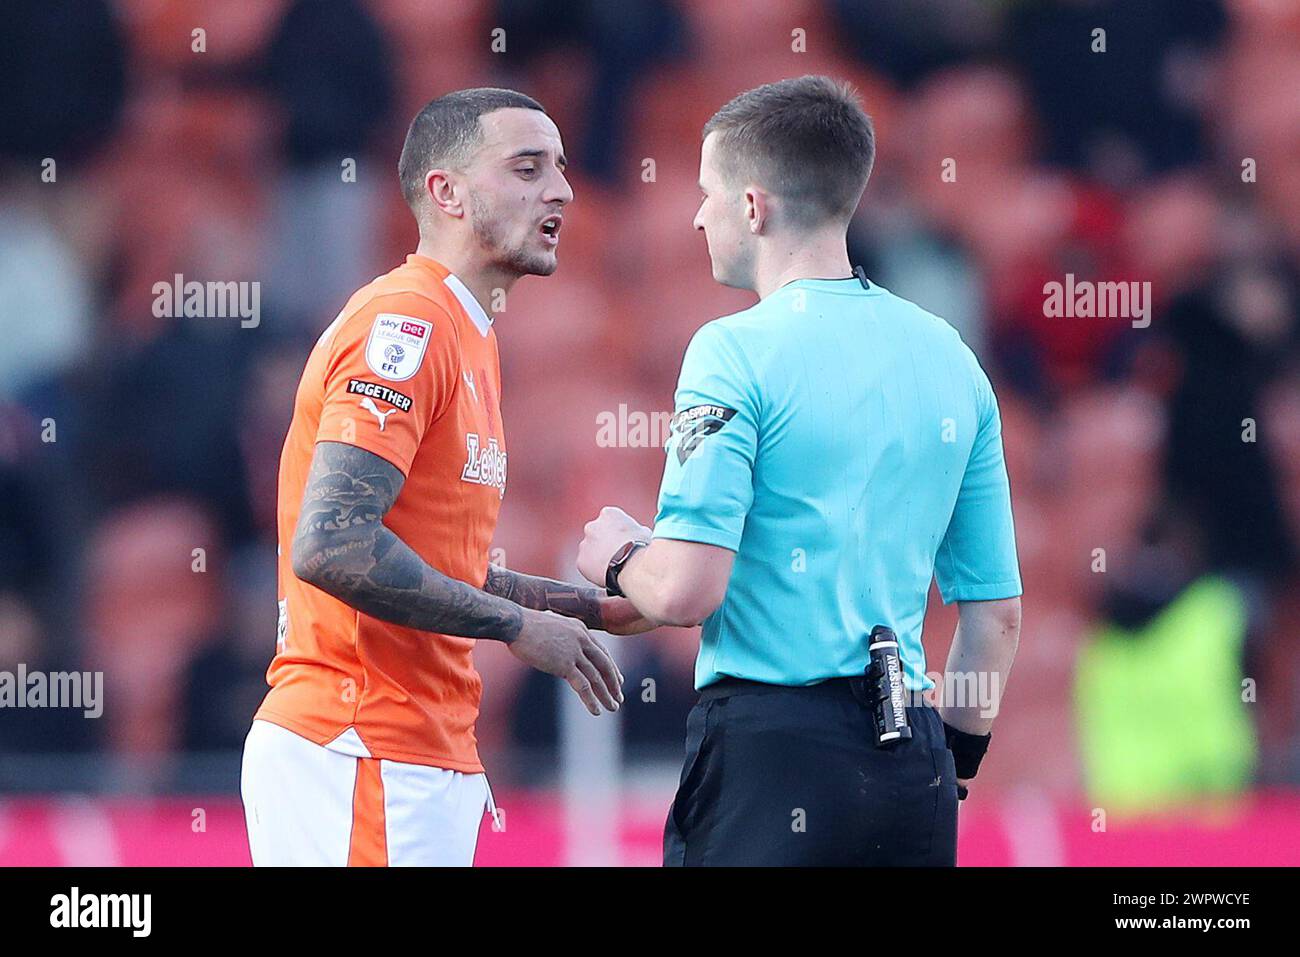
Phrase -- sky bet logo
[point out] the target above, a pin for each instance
(405, 326)
(396, 346)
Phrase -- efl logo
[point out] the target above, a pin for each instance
(396, 346)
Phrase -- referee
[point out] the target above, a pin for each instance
(834, 448)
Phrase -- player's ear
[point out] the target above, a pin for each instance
(757, 209)
(443, 192)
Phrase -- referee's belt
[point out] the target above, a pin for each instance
(855, 687)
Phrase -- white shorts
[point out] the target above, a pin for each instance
(309, 806)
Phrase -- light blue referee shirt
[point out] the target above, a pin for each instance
(846, 444)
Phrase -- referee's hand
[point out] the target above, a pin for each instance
(963, 788)
(602, 537)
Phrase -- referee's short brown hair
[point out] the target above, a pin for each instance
(806, 140)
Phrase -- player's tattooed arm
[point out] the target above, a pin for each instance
(342, 547)
(588, 604)
(582, 602)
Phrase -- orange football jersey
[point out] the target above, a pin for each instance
(408, 371)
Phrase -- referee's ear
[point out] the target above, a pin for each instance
(758, 208)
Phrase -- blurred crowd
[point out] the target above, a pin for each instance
(1151, 466)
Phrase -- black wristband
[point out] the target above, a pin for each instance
(616, 564)
(967, 750)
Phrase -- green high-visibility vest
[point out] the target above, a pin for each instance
(1160, 709)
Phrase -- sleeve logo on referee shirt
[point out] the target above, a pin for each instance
(396, 345)
(695, 424)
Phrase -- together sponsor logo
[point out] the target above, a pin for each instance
(53, 689)
(373, 390)
(75, 909)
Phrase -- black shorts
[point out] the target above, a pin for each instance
(777, 775)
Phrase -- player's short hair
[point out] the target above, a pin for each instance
(445, 133)
(808, 140)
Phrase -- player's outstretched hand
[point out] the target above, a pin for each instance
(563, 647)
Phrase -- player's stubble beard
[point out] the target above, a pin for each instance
(488, 232)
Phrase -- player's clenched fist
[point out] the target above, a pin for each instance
(563, 647)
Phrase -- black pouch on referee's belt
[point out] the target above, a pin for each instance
(883, 691)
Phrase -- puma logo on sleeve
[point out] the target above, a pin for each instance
(369, 405)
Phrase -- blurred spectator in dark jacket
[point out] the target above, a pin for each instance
(28, 730)
(62, 78)
(1133, 109)
(909, 41)
(329, 69)
(1230, 337)
(624, 40)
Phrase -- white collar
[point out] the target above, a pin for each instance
(482, 321)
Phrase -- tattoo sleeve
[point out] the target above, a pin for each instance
(546, 594)
(343, 548)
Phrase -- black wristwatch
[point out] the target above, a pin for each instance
(616, 565)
